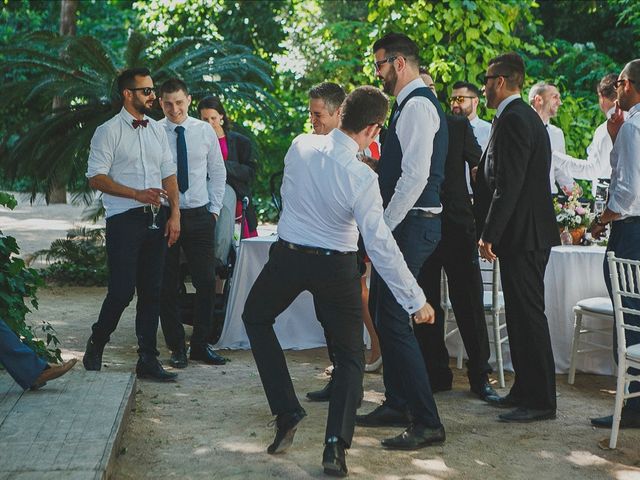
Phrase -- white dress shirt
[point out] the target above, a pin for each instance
(624, 191)
(139, 158)
(328, 195)
(416, 129)
(556, 173)
(207, 174)
(598, 162)
(481, 130)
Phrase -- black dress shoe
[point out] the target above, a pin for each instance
(206, 355)
(152, 369)
(440, 387)
(333, 458)
(179, 359)
(629, 419)
(322, 395)
(415, 437)
(526, 415)
(286, 426)
(383, 416)
(484, 391)
(92, 359)
(501, 402)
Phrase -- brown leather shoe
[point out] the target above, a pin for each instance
(54, 371)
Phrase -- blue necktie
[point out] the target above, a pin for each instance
(183, 164)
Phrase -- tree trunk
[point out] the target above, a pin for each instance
(68, 8)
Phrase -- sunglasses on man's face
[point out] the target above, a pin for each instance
(620, 81)
(459, 99)
(146, 91)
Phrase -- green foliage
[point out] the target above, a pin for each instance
(80, 259)
(18, 286)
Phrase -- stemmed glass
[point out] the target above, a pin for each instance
(154, 210)
(598, 206)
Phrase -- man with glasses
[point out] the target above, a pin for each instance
(130, 162)
(623, 213)
(410, 173)
(464, 101)
(328, 195)
(545, 99)
(514, 198)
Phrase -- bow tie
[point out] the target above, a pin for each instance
(140, 123)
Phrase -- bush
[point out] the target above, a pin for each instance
(18, 286)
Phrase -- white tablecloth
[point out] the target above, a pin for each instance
(296, 328)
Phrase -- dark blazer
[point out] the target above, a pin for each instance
(513, 196)
(241, 170)
(463, 148)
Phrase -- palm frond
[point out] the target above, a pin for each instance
(136, 46)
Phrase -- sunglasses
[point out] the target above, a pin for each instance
(619, 82)
(460, 99)
(379, 125)
(379, 63)
(146, 91)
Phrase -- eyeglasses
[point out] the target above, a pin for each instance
(146, 91)
(482, 78)
(379, 125)
(460, 98)
(379, 63)
(618, 82)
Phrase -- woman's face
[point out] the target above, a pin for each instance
(212, 116)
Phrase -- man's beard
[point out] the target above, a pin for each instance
(140, 107)
(390, 83)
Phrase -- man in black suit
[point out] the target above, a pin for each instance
(514, 196)
(457, 253)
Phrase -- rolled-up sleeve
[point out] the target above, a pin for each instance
(100, 153)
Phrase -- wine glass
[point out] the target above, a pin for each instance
(154, 210)
(598, 206)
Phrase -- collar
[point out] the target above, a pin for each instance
(634, 110)
(408, 88)
(343, 139)
(128, 118)
(476, 121)
(610, 112)
(173, 126)
(505, 102)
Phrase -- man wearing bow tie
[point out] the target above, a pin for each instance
(201, 178)
(514, 196)
(130, 163)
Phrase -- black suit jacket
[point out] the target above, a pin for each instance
(240, 164)
(463, 149)
(513, 196)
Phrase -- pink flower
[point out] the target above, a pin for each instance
(580, 210)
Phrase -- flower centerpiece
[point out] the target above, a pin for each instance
(572, 216)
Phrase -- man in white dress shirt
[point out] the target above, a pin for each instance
(545, 99)
(464, 101)
(410, 174)
(328, 195)
(130, 162)
(598, 163)
(623, 213)
(201, 177)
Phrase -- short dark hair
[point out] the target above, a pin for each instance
(423, 70)
(330, 93)
(510, 64)
(127, 78)
(216, 104)
(632, 69)
(469, 86)
(173, 85)
(399, 44)
(607, 86)
(364, 106)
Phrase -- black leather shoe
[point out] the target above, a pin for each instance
(322, 395)
(629, 419)
(179, 359)
(152, 369)
(501, 402)
(92, 359)
(415, 437)
(441, 387)
(526, 415)
(286, 426)
(484, 390)
(333, 459)
(206, 355)
(383, 416)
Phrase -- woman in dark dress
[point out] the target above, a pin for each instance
(239, 161)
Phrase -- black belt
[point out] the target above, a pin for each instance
(193, 212)
(631, 220)
(143, 209)
(417, 212)
(311, 250)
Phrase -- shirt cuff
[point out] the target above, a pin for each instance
(213, 209)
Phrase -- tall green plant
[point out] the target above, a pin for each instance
(18, 286)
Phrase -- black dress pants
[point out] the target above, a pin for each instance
(197, 227)
(334, 282)
(457, 253)
(522, 277)
(135, 258)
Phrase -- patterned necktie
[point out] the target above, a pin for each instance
(183, 164)
(139, 123)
